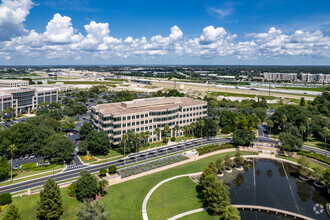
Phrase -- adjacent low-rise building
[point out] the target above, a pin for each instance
(280, 76)
(10, 83)
(142, 115)
(320, 78)
(25, 100)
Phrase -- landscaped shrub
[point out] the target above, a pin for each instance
(129, 171)
(103, 172)
(213, 147)
(112, 169)
(165, 140)
(5, 198)
(315, 156)
(173, 138)
(72, 189)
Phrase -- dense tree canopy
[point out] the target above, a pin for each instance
(98, 142)
(59, 148)
(86, 186)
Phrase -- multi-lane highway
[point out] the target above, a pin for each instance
(316, 150)
(69, 174)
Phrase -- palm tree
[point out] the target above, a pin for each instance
(12, 148)
(309, 121)
(157, 131)
(193, 126)
(302, 129)
(167, 129)
(202, 124)
(176, 129)
(124, 139)
(185, 131)
(137, 138)
(147, 135)
(143, 137)
(283, 119)
(270, 124)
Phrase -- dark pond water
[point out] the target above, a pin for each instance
(275, 185)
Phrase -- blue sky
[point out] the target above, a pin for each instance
(191, 32)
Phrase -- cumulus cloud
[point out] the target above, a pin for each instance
(12, 16)
(61, 40)
(275, 43)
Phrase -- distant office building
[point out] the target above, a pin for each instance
(280, 76)
(10, 83)
(25, 100)
(142, 115)
(321, 78)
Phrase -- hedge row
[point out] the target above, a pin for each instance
(213, 147)
(315, 156)
(143, 167)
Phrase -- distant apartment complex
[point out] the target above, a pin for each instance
(280, 76)
(23, 100)
(321, 78)
(145, 115)
(5, 83)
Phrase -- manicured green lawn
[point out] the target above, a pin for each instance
(174, 197)
(111, 153)
(318, 144)
(318, 89)
(293, 159)
(28, 166)
(123, 201)
(27, 206)
(133, 192)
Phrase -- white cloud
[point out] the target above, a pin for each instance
(12, 16)
(61, 40)
(59, 30)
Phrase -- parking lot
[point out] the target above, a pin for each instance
(19, 163)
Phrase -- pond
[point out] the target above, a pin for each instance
(275, 184)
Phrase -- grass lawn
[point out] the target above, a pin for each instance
(293, 159)
(28, 166)
(27, 206)
(123, 201)
(111, 153)
(153, 145)
(174, 197)
(318, 89)
(107, 160)
(242, 95)
(133, 196)
(183, 138)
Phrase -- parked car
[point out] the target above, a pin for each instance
(32, 156)
(26, 156)
(21, 157)
(16, 167)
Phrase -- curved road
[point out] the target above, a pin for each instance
(69, 174)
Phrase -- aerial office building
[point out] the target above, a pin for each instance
(321, 78)
(280, 76)
(142, 115)
(10, 83)
(25, 100)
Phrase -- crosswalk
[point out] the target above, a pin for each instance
(70, 167)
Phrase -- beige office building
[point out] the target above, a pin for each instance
(142, 115)
(10, 83)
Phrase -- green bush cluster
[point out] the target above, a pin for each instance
(112, 169)
(5, 198)
(315, 156)
(213, 147)
(172, 138)
(72, 189)
(103, 172)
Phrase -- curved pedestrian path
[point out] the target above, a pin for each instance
(248, 207)
(145, 201)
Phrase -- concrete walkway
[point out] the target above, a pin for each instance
(248, 207)
(145, 201)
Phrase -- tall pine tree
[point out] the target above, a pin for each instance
(50, 206)
(12, 213)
